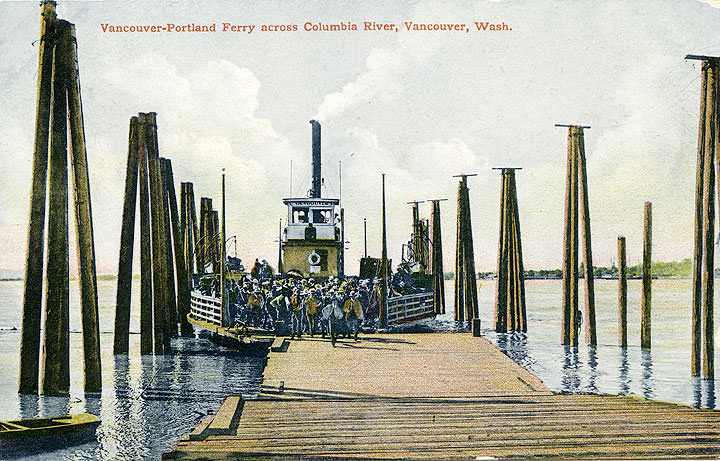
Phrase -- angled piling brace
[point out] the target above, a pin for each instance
(146, 265)
(28, 378)
(127, 238)
(171, 325)
(54, 367)
(712, 145)
(696, 331)
(590, 330)
(159, 258)
(84, 224)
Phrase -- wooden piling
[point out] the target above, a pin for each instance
(712, 144)
(146, 265)
(645, 339)
(567, 239)
(171, 321)
(437, 259)
(57, 294)
(501, 280)
(696, 331)
(83, 221)
(202, 246)
(183, 281)
(590, 328)
(28, 378)
(127, 238)
(622, 292)
(520, 267)
(159, 258)
(471, 295)
(194, 240)
(459, 259)
(383, 265)
(574, 302)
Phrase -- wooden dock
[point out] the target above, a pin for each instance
(439, 395)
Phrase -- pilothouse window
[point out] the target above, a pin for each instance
(300, 215)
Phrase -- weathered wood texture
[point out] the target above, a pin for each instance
(146, 267)
(32, 295)
(646, 299)
(622, 292)
(57, 297)
(510, 295)
(127, 240)
(436, 259)
(440, 396)
(466, 300)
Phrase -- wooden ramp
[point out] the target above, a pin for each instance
(437, 396)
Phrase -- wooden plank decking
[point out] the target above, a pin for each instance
(441, 396)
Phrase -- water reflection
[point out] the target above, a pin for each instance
(570, 379)
(647, 373)
(623, 376)
(593, 373)
(29, 405)
(708, 386)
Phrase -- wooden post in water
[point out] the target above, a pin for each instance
(181, 272)
(568, 281)
(83, 221)
(223, 294)
(436, 258)
(146, 264)
(195, 244)
(383, 265)
(171, 312)
(57, 295)
(186, 230)
(202, 241)
(696, 330)
(712, 148)
(459, 259)
(127, 237)
(32, 296)
(510, 295)
(466, 301)
(501, 286)
(645, 339)
(571, 314)
(622, 292)
(159, 257)
(590, 328)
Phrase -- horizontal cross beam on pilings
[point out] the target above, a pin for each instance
(568, 126)
(698, 57)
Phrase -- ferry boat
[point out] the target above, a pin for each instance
(312, 245)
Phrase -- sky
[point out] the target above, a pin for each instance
(419, 106)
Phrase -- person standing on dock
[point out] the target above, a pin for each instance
(255, 270)
(296, 314)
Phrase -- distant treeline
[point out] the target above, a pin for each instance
(661, 269)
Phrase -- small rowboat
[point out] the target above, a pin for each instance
(42, 433)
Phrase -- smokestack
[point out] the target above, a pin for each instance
(316, 175)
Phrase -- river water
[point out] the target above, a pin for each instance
(149, 402)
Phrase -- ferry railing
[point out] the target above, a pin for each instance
(206, 308)
(405, 306)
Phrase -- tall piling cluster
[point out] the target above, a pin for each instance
(576, 206)
(466, 296)
(58, 113)
(510, 296)
(436, 258)
(703, 342)
(163, 255)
